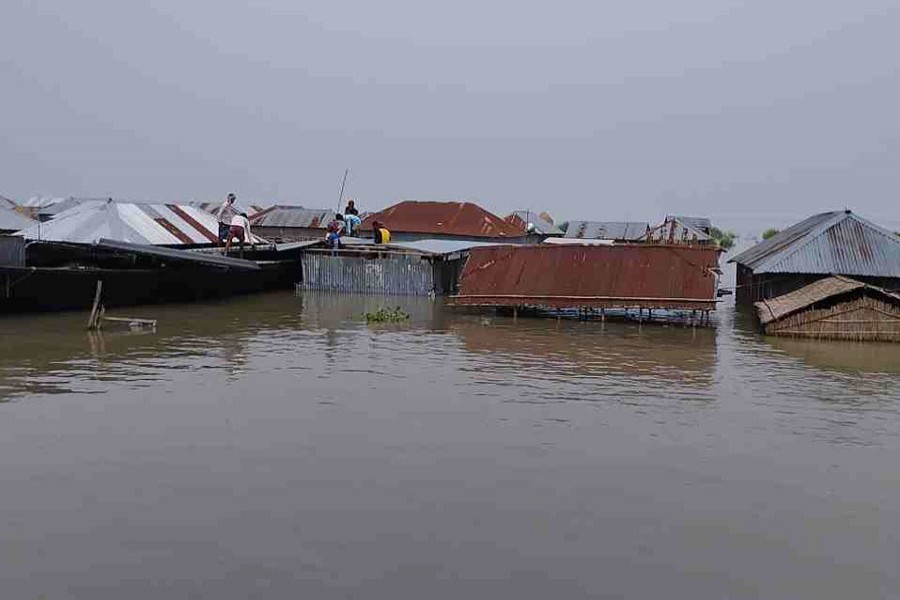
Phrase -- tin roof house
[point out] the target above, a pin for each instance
(154, 224)
(466, 221)
(835, 308)
(826, 244)
(680, 230)
(283, 223)
(607, 231)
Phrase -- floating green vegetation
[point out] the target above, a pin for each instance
(387, 315)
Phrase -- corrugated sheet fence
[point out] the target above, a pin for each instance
(396, 275)
(12, 251)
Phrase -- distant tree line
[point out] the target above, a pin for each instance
(725, 239)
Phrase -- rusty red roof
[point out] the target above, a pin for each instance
(444, 218)
(591, 276)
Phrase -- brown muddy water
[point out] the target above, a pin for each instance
(279, 447)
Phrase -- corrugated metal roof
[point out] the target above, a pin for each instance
(831, 243)
(216, 260)
(293, 216)
(10, 220)
(630, 231)
(521, 218)
(156, 224)
(702, 223)
(444, 218)
(440, 247)
(41, 201)
(573, 276)
(213, 207)
(674, 230)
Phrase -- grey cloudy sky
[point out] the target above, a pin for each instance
(752, 112)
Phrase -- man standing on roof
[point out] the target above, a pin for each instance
(333, 234)
(351, 209)
(225, 215)
(240, 229)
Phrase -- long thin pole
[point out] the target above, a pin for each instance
(341, 198)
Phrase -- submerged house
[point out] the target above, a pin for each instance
(680, 230)
(830, 243)
(703, 224)
(283, 223)
(154, 224)
(606, 231)
(461, 221)
(588, 277)
(835, 308)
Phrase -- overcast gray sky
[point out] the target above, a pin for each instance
(752, 112)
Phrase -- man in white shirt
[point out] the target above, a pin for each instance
(225, 215)
(240, 229)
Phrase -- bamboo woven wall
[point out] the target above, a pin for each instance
(863, 319)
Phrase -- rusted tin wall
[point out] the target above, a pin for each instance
(396, 275)
(627, 276)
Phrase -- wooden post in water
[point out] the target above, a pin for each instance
(94, 319)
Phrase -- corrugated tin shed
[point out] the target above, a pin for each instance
(10, 220)
(463, 219)
(156, 224)
(521, 218)
(293, 216)
(831, 243)
(622, 231)
(701, 223)
(776, 308)
(676, 231)
(648, 276)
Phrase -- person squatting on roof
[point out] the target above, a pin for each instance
(224, 215)
(333, 233)
(380, 234)
(240, 229)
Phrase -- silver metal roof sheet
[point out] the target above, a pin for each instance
(293, 216)
(702, 223)
(179, 255)
(831, 243)
(607, 230)
(436, 246)
(7, 203)
(156, 224)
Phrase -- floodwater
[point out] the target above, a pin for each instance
(277, 446)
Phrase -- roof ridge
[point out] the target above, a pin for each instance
(806, 239)
(876, 227)
(761, 250)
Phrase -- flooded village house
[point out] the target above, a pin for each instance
(826, 244)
